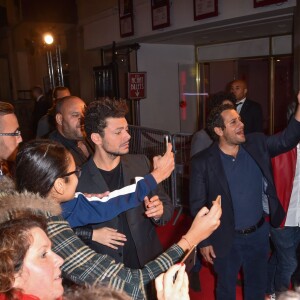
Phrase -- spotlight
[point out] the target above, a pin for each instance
(48, 38)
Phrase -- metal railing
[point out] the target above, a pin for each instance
(150, 142)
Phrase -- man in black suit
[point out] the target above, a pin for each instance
(239, 169)
(131, 237)
(41, 106)
(250, 111)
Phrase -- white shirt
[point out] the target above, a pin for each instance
(240, 104)
(293, 214)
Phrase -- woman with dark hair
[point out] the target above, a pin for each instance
(28, 267)
(82, 265)
(49, 164)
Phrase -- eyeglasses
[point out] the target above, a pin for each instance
(16, 133)
(77, 172)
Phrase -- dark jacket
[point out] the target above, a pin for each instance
(71, 145)
(208, 180)
(252, 116)
(142, 228)
(40, 109)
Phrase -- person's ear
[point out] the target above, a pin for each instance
(96, 138)
(218, 131)
(59, 186)
(58, 118)
(245, 91)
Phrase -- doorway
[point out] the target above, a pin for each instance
(269, 79)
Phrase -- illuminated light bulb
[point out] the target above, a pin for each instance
(48, 38)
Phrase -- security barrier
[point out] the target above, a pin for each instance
(150, 142)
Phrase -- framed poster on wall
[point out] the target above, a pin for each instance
(258, 3)
(126, 18)
(160, 12)
(205, 9)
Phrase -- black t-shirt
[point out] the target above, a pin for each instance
(114, 180)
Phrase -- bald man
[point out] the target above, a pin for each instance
(47, 123)
(250, 111)
(69, 128)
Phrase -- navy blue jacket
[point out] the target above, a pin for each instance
(208, 180)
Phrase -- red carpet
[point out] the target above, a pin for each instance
(170, 234)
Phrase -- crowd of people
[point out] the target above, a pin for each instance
(77, 208)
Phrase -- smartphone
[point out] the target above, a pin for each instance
(166, 142)
(190, 259)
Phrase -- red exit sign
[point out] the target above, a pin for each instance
(137, 85)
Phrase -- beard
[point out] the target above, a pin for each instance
(114, 153)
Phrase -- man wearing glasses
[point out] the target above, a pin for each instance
(10, 136)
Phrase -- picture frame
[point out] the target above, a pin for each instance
(205, 9)
(160, 14)
(259, 3)
(126, 18)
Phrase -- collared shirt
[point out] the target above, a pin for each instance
(84, 266)
(293, 214)
(244, 179)
(240, 104)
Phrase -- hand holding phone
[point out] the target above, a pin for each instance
(190, 259)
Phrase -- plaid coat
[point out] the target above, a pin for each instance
(81, 264)
(84, 266)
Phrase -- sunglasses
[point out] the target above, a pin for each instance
(77, 172)
(16, 133)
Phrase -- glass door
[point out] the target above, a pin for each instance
(269, 80)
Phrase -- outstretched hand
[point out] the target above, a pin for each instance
(204, 224)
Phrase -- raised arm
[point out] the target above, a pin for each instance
(84, 266)
(297, 113)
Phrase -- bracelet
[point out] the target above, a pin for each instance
(184, 238)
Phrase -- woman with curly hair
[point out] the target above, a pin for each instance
(29, 269)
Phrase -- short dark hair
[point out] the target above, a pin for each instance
(218, 98)
(37, 89)
(98, 111)
(15, 240)
(38, 164)
(61, 101)
(58, 89)
(215, 119)
(6, 108)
